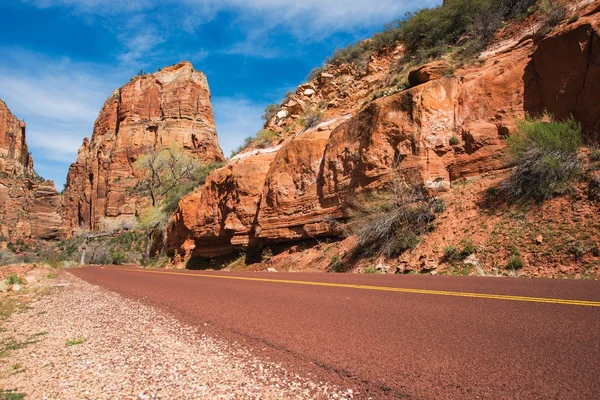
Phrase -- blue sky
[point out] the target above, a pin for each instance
(62, 58)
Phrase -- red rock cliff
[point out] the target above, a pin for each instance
(445, 127)
(28, 206)
(152, 111)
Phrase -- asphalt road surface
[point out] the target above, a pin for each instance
(391, 336)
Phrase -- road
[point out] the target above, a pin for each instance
(409, 336)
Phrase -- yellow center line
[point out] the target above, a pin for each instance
(384, 288)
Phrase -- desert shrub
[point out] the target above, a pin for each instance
(429, 32)
(7, 257)
(370, 270)
(265, 138)
(266, 254)
(158, 262)
(358, 53)
(552, 11)
(454, 140)
(337, 265)
(515, 262)
(544, 158)
(270, 112)
(247, 143)
(315, 73)
(439, 206)
(392, 222)
(580, 248)
(468, 248)
(311, 118)
(595, 155)
(594, 187)
(13, 279)
(451, 253)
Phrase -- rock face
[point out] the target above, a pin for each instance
(564, 72)
(445, 129)
(14, 155)
(428, 72)
(170, 107)
(28, 206)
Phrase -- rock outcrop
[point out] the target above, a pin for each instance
(447, 128)
(28, 205)
(169, 107)
(564, 72)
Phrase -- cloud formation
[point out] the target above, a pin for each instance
(59, 99)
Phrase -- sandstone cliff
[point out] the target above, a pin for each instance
(28, 205)
(152, 111)
(447, 126)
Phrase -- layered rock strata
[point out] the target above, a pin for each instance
(154, 111)
(28, 205)
(446, 128)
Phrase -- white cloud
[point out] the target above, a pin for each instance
(59, 99)
(236, 118)
(306, 19)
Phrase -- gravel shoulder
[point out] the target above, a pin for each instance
(75, 340)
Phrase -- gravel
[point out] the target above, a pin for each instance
(89, 343)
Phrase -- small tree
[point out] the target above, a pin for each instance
(166, 176)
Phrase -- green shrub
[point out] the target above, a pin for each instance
(370, 270)
(270, 112)
(451, 253)
(337, 265)
(439, 206)
(454, 140)
(265, 138)
(266, 254)
(247, 143)
(595, 155)
(515, 262)
(468, 248)
(13, 279)
(11, 395)
(544, 156)
(429, 32)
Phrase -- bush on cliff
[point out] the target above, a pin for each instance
(430, 32)
(544, 156)
(392, 222)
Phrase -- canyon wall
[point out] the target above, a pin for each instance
(28, 205)
(446, 127)
(153, 111)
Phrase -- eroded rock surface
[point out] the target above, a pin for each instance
(169, 107)
(28, 206)
(447, 128)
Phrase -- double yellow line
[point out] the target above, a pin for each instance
(584, 303)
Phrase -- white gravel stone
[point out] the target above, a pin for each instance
(133, 351)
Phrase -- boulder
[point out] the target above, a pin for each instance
(427, 72)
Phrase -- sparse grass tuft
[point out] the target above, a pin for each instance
(515, 262)
(11, 395)
(13, 279)
(370, 270)
(75, 342)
